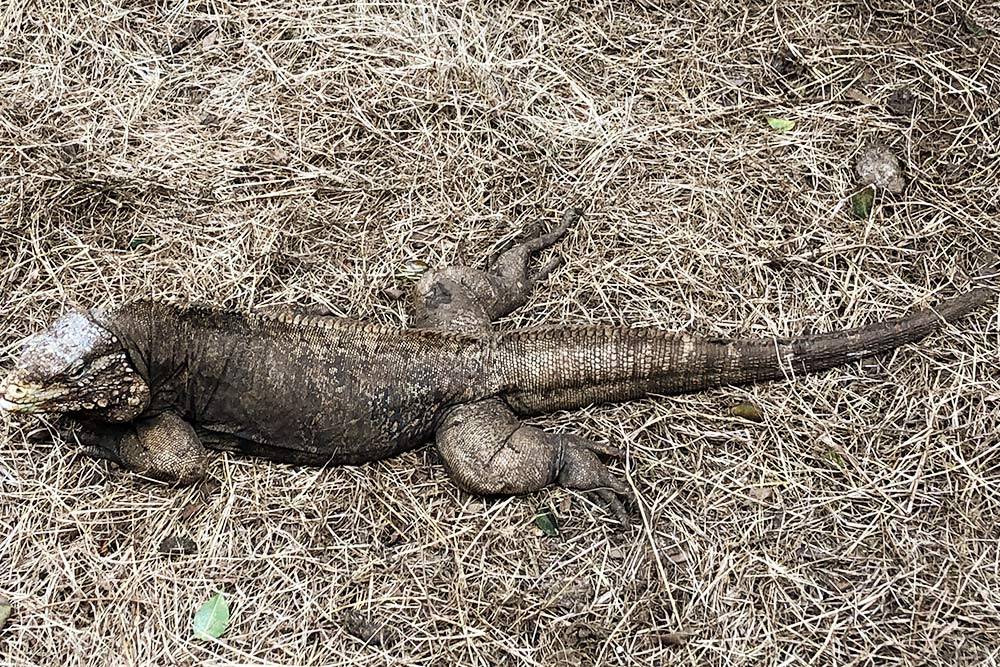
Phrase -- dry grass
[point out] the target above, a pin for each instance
(275, 151)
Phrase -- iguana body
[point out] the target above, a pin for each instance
(317, 390)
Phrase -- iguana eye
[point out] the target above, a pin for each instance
(76, 371)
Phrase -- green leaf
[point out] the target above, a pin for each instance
(141, 241)
(747, 411)
(211, 619)
(780, 124)
(972, 26)
(546, 522)
(4, 611)
(862, 201)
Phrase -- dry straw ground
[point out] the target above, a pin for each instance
(269, 152)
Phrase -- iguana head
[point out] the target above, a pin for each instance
(75, 365)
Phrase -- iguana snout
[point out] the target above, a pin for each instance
(75, 365)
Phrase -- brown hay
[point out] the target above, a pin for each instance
(270, 152)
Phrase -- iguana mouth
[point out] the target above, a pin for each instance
(7, 405)
(11, 406)
(16, 398)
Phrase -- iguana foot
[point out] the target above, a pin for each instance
(489, 451)
(513, 282)
(163, 447)
(581, 470)
(96, 442)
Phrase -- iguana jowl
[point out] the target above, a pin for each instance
(153, 383)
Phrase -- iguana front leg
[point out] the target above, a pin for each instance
(163, 447)
(486, 449)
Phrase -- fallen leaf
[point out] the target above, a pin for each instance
(858, 96)
(901, 102)
(212, 617)
(972, 26)
(367, 630)
(674, 638)
(748, 411)
(780, 124)
(546, 522)
(177, 545)
(834, 457)
(141, 241)
(190, 510)
(787, 64)
(279, 155)
(677, 555)
(208, 41)
(862, 202)
(412, 269)
(208, 488)
(840, 583)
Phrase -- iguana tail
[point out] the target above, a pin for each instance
(546, 369)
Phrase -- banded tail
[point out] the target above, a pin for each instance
(546, 369)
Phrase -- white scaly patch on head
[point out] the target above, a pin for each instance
(67, 342)
(76, 365)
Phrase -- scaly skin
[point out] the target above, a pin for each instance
(151, 384)
(486, 449)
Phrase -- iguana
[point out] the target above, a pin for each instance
(150, 384)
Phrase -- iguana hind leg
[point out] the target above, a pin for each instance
(460, 298)
(510, 274)
(485, 447)
(487, 450)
